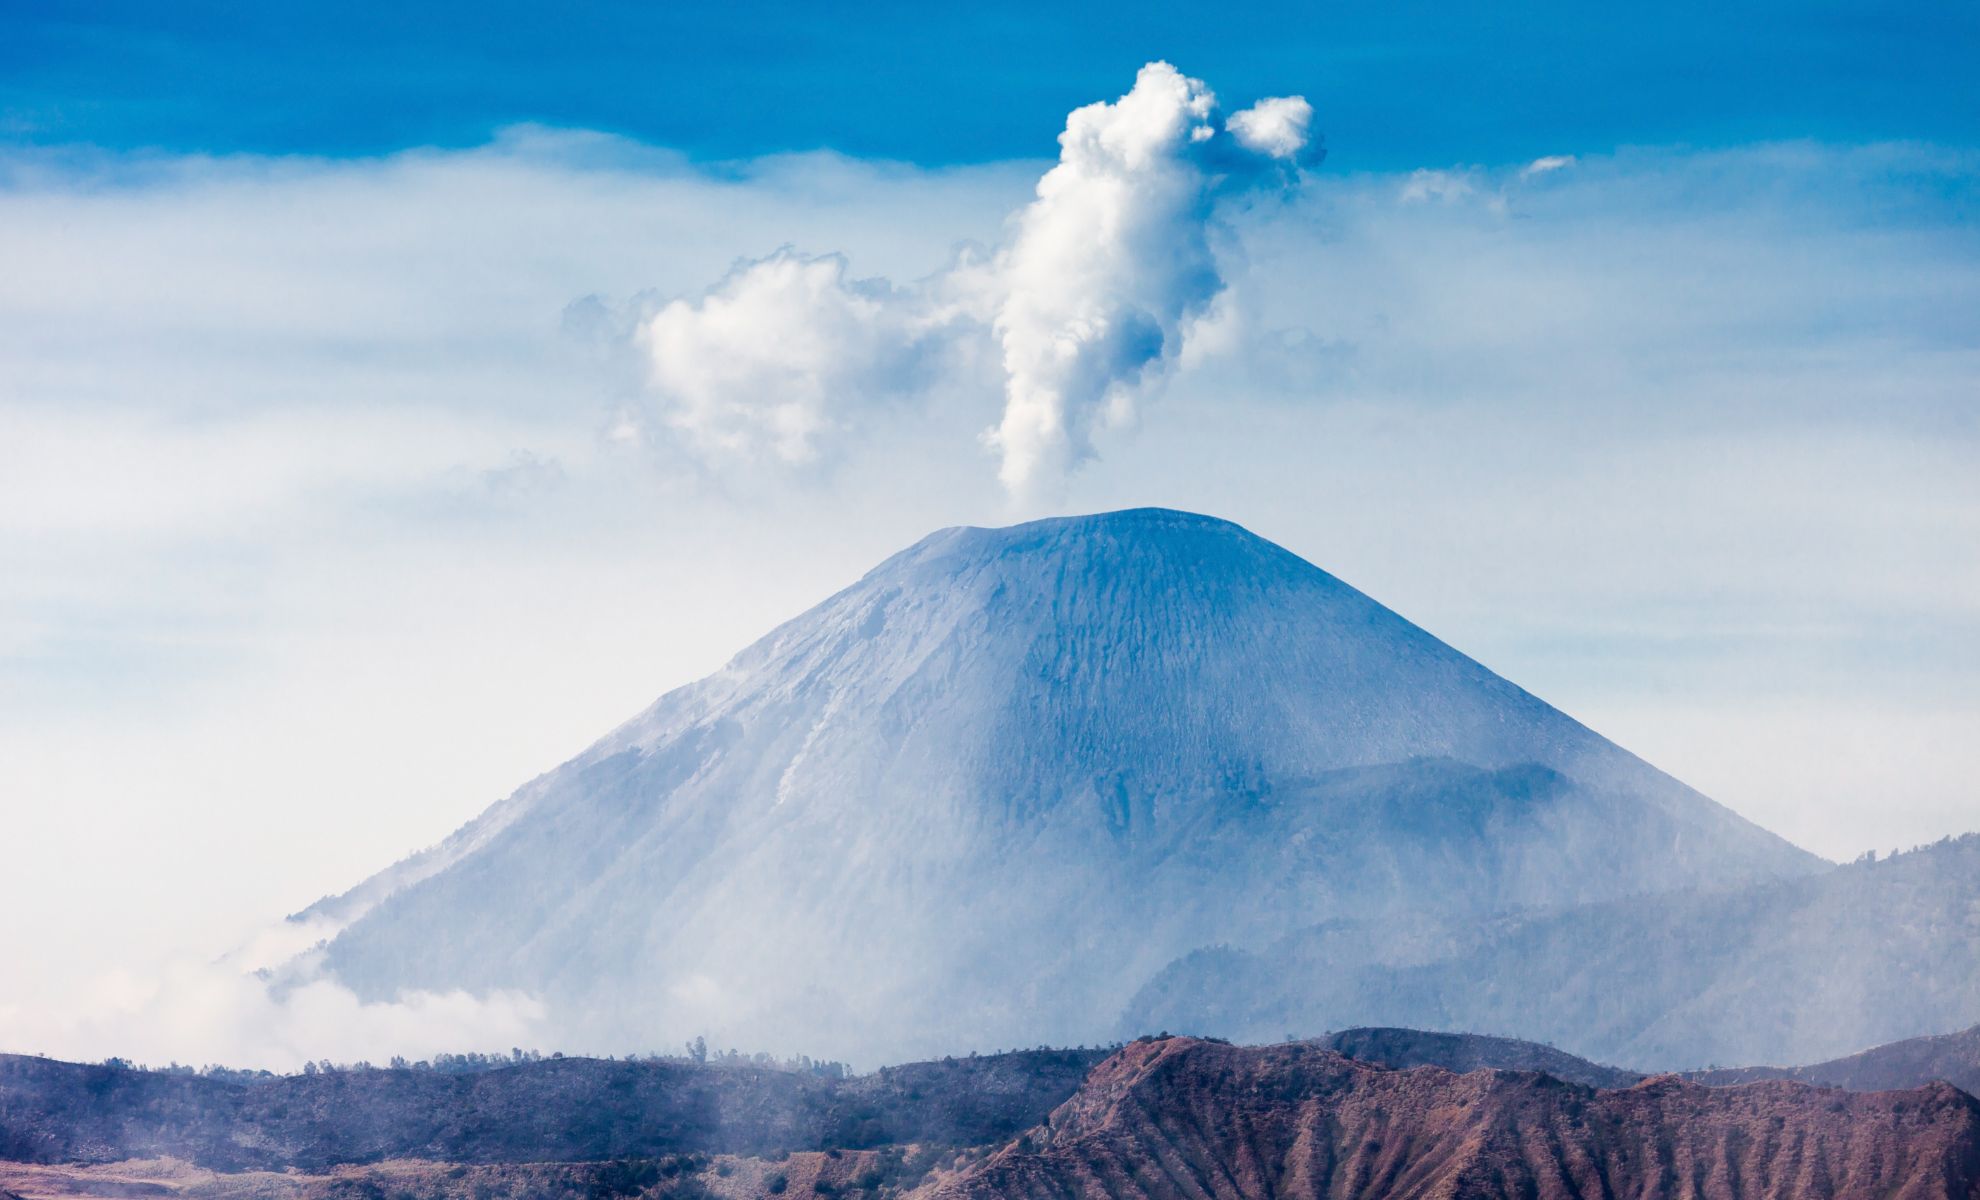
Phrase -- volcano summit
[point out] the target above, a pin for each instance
(983, 795)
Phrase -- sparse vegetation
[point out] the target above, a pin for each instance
(522, 1107)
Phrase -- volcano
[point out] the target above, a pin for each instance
(980, 797)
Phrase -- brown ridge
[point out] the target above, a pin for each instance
(1181, 1119)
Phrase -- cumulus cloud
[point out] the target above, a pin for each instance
(1089, 300)
(1278, 127)
(772, 358)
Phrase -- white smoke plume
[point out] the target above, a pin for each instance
(1113, 258)
(1087, 303)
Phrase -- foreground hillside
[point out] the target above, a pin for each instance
(855, 1175)
(1401, 1112)
(576, 1110)
(562, 1110)
(1177, 1118)
(1788, 971)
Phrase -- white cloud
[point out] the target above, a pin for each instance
(1494, 190)
(226, 1012)
(781, 352)
(1088, 299)
(1427, 185)
(1279, 127)
(1546, 165)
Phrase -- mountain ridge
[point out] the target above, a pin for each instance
(1168, 1119)
(1953, 1057)
(574, 1110)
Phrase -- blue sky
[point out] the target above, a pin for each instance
(394, 398)
(1401, 84)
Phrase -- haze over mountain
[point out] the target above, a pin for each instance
(981, 796)
(1786, 971)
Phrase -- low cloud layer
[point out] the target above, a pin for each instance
(228, 1012)
(1088, 300)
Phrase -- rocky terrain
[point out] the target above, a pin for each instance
(1362, 1112)
(855, 1174)
(1175, 1118)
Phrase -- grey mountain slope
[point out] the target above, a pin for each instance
(1402, 1049)
(1788, 971)
(1952, 1057)
(978, 797)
